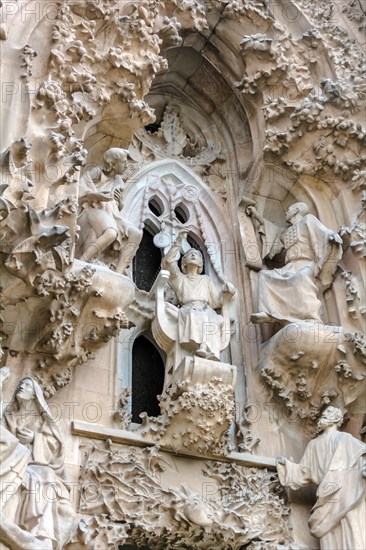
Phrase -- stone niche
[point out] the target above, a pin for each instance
(182, 206)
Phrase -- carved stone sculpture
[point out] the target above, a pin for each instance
(213, 99)
(200, 328)
(308, 365)
(136, 495)
(32, 457)
(293, 292)
(197, 408)
(336, 461)
(105, 233)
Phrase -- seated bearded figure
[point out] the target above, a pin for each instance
(294, 292)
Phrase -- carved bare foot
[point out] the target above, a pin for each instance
(204, 352)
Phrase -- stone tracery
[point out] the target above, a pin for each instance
(248, 102)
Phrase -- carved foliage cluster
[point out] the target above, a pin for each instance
(299, 107)
(124, 499)
(324, 366)
(101, 55)
(60, 339)
(193, 418)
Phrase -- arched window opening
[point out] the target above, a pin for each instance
(156, 206)
(146, 263)
(147, 378)
(182, 213)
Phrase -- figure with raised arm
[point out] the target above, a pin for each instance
(199, 325)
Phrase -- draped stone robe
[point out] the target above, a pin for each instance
(197, 321)
(334, 460)
(45, 508)
(293, 292)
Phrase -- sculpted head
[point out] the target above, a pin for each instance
(25, 390)
(193, 257)
(115, 159)
(296, 208)
(330, 416)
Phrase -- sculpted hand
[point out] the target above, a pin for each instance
(334, 237)
(280, 460)
(118, 196)
(117, 193)
(182, 235)
(253, 213)
(229, 288)
(25, 435)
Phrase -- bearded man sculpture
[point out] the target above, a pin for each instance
(336, 461)
(294, 292)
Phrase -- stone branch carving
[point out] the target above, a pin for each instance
(336, 462)
(124, 499)
(355, 234)
(353, 265)
(36, 507)
(312, 251)
(122, 415)
(246, 440)
(310, 365)
(197, 408)
(355, 306)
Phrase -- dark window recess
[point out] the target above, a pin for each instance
(146, 263)
(147, 378)
(155, 206)
(181, 213)
(152, 128)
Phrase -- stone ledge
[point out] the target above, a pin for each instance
(95, 431)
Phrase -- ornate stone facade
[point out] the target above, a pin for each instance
(182, 205)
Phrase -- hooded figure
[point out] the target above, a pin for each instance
(44, 508)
